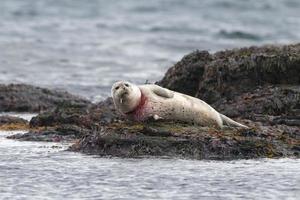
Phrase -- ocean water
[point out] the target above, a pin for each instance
(84, 46)
(33, 170)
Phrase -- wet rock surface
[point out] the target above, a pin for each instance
(257, 86)
(64, 133)
(227, 74)
(68, 122)
(6, 119)
(185, 141)
(27, 98)
(12, 123)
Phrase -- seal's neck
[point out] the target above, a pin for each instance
(139, 106)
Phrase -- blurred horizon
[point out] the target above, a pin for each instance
(84, 46)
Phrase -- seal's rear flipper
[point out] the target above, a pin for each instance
(231, 122)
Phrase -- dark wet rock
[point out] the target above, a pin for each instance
(70, 121)
(185, 141)
(227, 74)
(6, 119)
(86, 115)
(27, 98)
(268, 100)
(12, 123)
(62, 114)
(64, 133)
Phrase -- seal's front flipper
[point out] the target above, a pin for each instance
(162, 92)
(156, 117)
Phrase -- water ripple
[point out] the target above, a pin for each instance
(83, 46)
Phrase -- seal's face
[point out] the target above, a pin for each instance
(126, 96)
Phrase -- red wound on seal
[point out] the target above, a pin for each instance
(138, 112)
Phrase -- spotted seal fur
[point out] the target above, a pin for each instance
(141, 102)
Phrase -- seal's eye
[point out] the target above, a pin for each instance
(126, 85)
(116, 88)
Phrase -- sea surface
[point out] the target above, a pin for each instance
(42, 170)
(85, 46)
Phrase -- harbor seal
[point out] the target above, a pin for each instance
(141, 102)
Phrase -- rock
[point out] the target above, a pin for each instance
(64, 133)
(12, 123)
(86, 115)
(268, 100)
(69, 121)
(27, 98)
(185, 141)
(227, 74)
(6, 119)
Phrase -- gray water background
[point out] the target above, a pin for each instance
(84, 46)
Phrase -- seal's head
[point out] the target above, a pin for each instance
(126, 96)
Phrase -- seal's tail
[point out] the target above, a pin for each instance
(231, 122)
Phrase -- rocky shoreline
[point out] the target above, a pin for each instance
(258, 86)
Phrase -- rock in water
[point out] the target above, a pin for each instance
(12, 123)
(27, 98)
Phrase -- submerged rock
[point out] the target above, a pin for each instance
(27, 98)
(259, 87)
